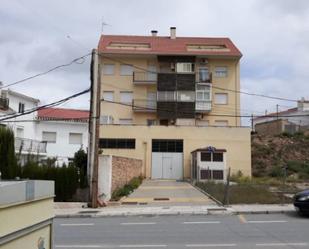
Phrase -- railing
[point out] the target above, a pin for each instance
(4, 103)
(30, 146)
(202, 106)
(203, 77)
(145, 77)
(144, 105)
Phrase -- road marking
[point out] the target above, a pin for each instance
(202, 222)
(210, 245)
(77, 224)
(242, 218)
(282, 244)
(81, 246)
(141, 246)
(266, 221)
(138, 223)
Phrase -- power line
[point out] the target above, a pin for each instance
(79, 60)
(220, 88)
(47, 105)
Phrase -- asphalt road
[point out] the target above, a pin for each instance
(210, 231)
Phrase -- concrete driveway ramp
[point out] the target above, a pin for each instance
(167, 192)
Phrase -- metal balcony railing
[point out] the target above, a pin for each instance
(144, 105)
(202, 106)
(4, 103)
(146, 78)
(29, 146)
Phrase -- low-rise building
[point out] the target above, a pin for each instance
(26, 214)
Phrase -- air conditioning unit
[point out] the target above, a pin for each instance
(203, 61)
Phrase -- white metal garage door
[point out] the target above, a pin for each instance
(167, 159)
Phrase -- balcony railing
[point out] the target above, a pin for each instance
(144, 105)
(30, 146)
(202, 77)
(4, 103)
(202, 106)
(145, 78)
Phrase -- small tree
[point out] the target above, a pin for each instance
(80, 161)
(8, 163)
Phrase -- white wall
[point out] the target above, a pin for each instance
(105, 177)
(62, 149)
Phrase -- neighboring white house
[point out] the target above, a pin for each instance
(26, 142)
(51, 132)
(298, 115)
(64, 130)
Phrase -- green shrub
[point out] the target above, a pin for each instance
(127, 189)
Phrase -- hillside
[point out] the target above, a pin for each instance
(270, 153)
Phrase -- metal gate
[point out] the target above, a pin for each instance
(167, 159)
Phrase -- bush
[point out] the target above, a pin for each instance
(80, 161)
(8, 163)
(127, 189)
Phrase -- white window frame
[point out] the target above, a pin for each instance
(126, 70)
(122, 94)
(185, 96)
(20, 131)
(184, 67)
(221, 71)
(219, 101)
(108, 69)
(76, 133)
(21, 107)
(106, 119)
(108, 97)
(50, 133)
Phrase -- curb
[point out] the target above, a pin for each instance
(264, 212)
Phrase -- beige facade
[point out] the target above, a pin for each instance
(235, 140)
(26, 214)
(173, 69)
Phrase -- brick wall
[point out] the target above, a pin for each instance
(123, 170)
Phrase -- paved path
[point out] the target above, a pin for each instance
(167, 192)
(189, 231)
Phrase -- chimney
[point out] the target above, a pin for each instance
(173, 32)
(154, 32)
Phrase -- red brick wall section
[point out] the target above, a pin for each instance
(123, 170)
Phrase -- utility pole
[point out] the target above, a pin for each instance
(252, 122)
(277, 111)
(94, 125)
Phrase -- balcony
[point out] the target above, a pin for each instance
(144, 105)
(203, 77)
(4, 103)
(202, 106)
(29, 146)
(144, 78)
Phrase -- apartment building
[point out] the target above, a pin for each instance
(163, 97)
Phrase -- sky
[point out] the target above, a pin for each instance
(273, 37)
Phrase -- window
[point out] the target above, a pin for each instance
(217, 157)
(221, 123)
(166, 96)
(204, 75)
(185, 67)
(21, 107)
(126, 70)
(117, 143)
(206, 156)
(205, 174)
(186, 96)
(49, 137)
(221, 72)
(151, 122)
(126, 97)
(217, 174)
(202, 122)
(20, 132)
(221, 98)
(125, 121)
(167, 145)
(108, 69)
(108, 95)
(75, 138)
(106, 119)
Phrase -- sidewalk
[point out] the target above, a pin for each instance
(76, 210)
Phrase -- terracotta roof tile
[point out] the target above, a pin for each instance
(62, 113)
(164, 45)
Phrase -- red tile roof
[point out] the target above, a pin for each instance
(273, 114)
(164, 45)
(63, 114)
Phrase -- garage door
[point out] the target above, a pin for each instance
(167, 159)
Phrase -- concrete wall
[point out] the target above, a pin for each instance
(236, 141)
(274, 127)
(115, 172)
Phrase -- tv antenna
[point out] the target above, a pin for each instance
(103, 24)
